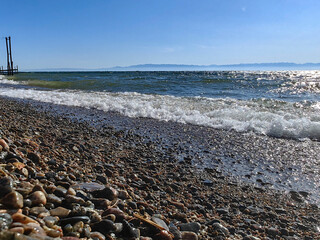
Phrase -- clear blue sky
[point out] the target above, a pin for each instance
(106, 33)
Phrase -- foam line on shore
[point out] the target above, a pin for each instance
(263, 116)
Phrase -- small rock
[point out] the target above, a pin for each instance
(73, 220)
(51, 198)
(13, 200)
(97, 235)
(115, 211)
(105, 226)
(108, 193)
(190, 227)
(272, 231)
(60, 212)
(163, 235)
(35, 211)
(6, 186)
(189, 236)
(160, 222)
(5, 221)
(296, 196)
(221, 228)
(34, 157)
(19, 217)
(38, 197)
(129, 231)
(4, 145)
(174, 230)
(50, 221)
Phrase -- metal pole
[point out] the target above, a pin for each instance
(10, 56)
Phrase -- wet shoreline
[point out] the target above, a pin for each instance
(277, 163)
(151, 167)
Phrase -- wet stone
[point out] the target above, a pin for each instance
(190, 227)
(50, 221)
(108, 193)
(221, 228)
(188, 236)
(51, 198)
(38, 197)
(129, 231)
(6, 186)
(272, 231)
(5, 221)
(13, 200)
(60, 212)
(174, 230)
(73, 220)
(105, 226)
(74, 199)
(160, 222)
(34, 157)
(115, 211)
(60, 191)
(35, 211)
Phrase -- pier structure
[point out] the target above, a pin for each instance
(10, 68)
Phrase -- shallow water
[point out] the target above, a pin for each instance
(283, 104)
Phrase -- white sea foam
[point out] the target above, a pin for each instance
(270, 117)
(3, 80)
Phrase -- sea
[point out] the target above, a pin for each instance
(284, 104)
(279, 105)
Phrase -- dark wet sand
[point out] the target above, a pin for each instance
(185, 173)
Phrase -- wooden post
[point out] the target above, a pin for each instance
(8, 63)
(11, 62)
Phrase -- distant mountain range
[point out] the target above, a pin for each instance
(185, 67)
(242, 66)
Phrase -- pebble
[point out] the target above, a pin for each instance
(221, 228)
(75, 219)
(38, 197)
(189, 236)
(129, 231)
(105, 226)
(190, 227)
(13, 200)
(160, 222)
(97, 235)
(108, 193)
(5, 221)
(4, 145)
(19, 217)
(116, 212)
(60, 212)
(50, 221)
(6, 186)
(164, 235)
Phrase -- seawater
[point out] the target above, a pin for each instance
(283, 104)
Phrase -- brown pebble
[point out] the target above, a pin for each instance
(71, 191)
(38, 197)
(97, 235)
(54, 233)
(19, 217)
(115, 211)
(164, 235)
(13, 200)
(60, 212)
(189, 236)
(17, 230)
(4, 145)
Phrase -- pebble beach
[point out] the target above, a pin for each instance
(62, 178)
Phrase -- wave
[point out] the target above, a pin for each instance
(276, 118)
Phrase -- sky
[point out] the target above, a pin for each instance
(107, 33)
